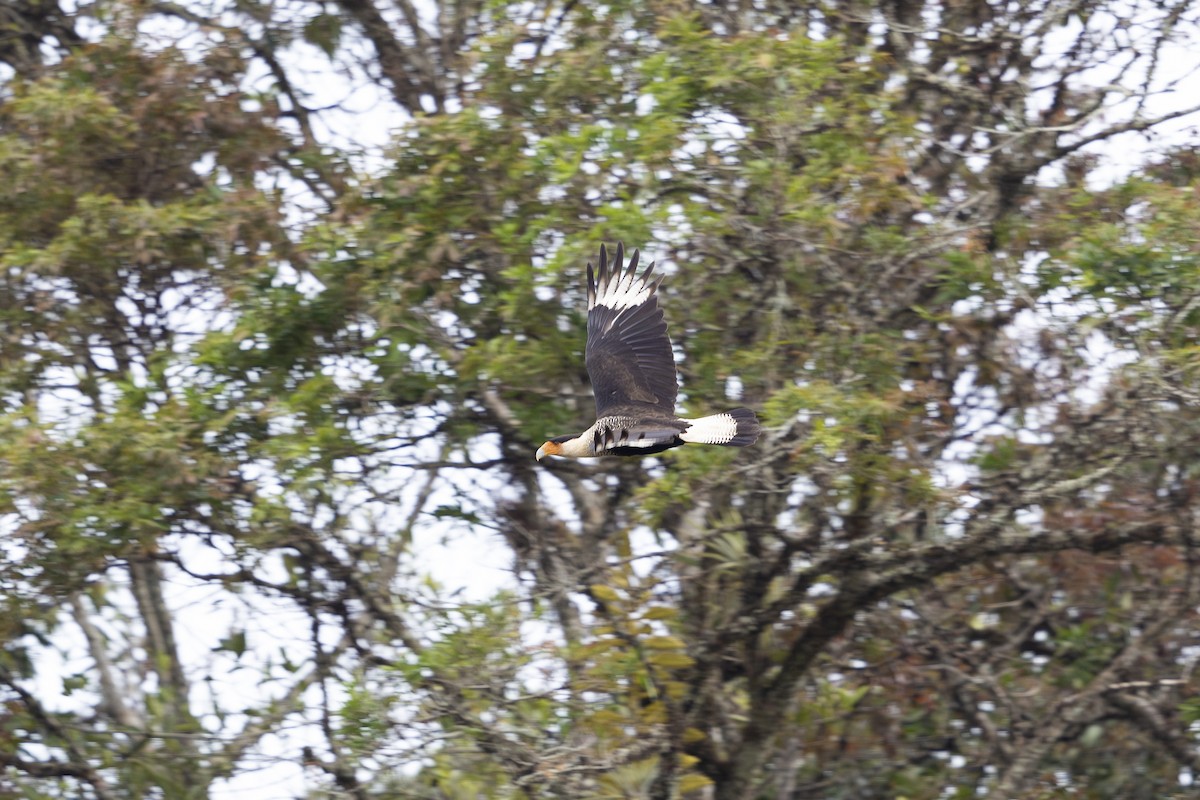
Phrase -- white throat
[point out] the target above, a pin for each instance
(580, 446)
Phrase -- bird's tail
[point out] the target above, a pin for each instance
(736, 428)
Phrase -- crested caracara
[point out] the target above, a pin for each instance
(633, 375)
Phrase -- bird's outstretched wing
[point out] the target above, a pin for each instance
(628, 351)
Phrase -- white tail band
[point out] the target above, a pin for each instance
(714, 429)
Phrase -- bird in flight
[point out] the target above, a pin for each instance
(633, 374)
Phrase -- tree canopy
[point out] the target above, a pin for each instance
(292, 291)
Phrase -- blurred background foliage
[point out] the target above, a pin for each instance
(292, 291)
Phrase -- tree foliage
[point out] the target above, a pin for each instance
(254, 370)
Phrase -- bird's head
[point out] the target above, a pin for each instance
(554, 447)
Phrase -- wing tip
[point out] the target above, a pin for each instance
(612, 280)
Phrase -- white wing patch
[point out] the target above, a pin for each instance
(623, 290)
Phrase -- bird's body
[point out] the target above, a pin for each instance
(632, 369)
